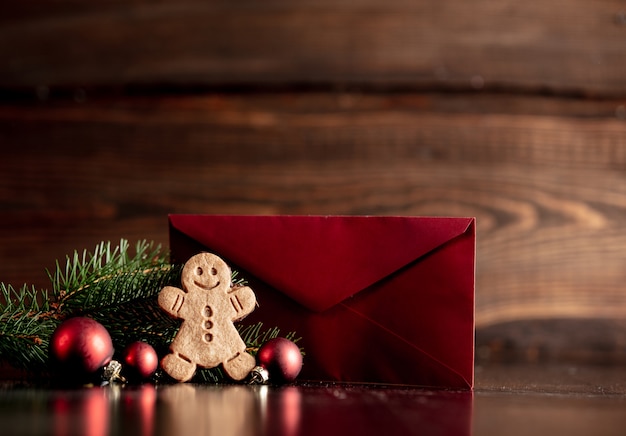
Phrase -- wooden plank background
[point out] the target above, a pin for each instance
(114, 114)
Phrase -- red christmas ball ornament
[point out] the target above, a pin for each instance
(141, 360)
(281, 358)
(80, 346)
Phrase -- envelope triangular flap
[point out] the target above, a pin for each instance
(319, 261)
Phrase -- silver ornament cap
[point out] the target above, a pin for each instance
(112, 372)
(259, 376)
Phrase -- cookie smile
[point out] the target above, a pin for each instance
(205, 287)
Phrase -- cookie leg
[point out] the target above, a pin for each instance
(239, 366)
(178, 367)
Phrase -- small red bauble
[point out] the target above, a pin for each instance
(281, 358)
(141, 360)
(80, 346)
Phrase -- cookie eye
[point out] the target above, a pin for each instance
(213, 271)
(199, 271)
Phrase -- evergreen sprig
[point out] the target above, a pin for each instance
(111, 285)
(110, 276)
(25, 326)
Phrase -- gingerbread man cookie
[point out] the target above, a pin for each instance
(208, 306)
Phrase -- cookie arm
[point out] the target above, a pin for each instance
(171, 300)
(242, 300)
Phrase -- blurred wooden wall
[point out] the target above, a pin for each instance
(115, 113)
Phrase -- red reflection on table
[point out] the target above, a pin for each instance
(281, 409)
(82, 412)
(340, 410)
(138, 410)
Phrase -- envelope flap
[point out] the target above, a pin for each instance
(319, 261)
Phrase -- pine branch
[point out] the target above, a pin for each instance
(25, 327)
(110, 276)
(109, 284)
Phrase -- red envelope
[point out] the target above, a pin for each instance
(386, 300)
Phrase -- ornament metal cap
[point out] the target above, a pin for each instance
(112, 372)
(258, 376)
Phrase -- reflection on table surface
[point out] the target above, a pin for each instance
(187, 409)
(507, 400)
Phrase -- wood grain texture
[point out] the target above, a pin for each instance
(573, 46)
(115, 113)
(547, 188)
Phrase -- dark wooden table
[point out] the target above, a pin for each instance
(511, 400)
